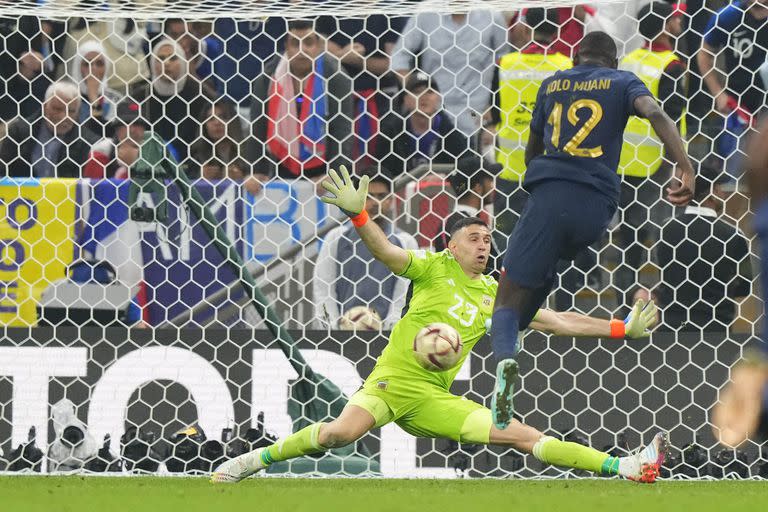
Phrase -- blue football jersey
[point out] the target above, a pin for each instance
(581, 114)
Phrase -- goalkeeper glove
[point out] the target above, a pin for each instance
(349, 200)
(641, 321)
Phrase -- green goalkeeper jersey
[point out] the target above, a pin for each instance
(442, 292)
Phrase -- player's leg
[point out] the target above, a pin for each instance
(642, 466)
(515, 308)
(363, 413)
(445, 415)
(529, 268)
(559, 220)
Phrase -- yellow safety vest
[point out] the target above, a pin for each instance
(520, 75)
(642, 152)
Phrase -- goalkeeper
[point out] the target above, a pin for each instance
(448, 287)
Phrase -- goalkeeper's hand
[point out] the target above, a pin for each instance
(641, 320)
(349, 200)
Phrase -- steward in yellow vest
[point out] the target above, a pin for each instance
(641, 157)
(519, 76)
(663, 73)
(516, 82)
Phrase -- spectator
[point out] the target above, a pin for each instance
(302, 110)
(25, 91)
(363, 46)
(472, 183)
(248, 45)
(664, 73)
(347, 275)
(221, 136)
(201, 48)
(459, 51)
(571, 23)
(705, 264)
(239, 170)
(623, 16)
(419, 131)
(173, 98)
(213, 169)
(31, 34)
(51, 146)
(740, 32)
(515, 84)
(123, 41)
(90, 69)
(118, 152)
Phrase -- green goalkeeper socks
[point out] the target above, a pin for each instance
(572, 455)
(303, 442)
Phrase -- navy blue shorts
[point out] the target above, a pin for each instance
(559, 220)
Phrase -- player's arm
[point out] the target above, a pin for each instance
(681, 192)
(638, 324)
(706, 60)
(352, 202)
(534, 148)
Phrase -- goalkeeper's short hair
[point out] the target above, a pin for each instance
(467, 221)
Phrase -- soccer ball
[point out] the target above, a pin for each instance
(437, 347)
(360, 318)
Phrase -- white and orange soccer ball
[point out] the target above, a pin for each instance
(437, 347)
(360, 318)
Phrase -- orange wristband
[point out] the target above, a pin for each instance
(360, 219)
(618, 328)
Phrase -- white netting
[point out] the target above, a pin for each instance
(150, 10)
(87, 252)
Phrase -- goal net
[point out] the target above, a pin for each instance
(160, 162)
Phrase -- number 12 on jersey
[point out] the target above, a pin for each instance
(572, 146)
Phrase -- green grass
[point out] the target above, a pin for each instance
(85, 494)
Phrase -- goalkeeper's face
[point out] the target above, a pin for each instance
(471, 246)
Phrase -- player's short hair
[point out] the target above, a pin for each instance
(543, 21)
(597, 46)
(463, 223)
(653, 18)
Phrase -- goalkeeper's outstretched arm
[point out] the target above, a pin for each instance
(637, 325)
(393, 257)
(352, 202)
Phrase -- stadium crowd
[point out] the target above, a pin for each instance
(280, 99)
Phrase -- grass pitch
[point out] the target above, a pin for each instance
(138, 494)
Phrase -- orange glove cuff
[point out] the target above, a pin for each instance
(360, 219)
(618, 329)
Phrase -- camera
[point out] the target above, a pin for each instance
(73, 446)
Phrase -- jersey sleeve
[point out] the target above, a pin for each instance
(635, 88)
(419, 265)
(715, 34)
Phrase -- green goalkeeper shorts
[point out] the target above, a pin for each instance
(422, 409)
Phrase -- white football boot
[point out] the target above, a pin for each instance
(644, 466)
(239, 468)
